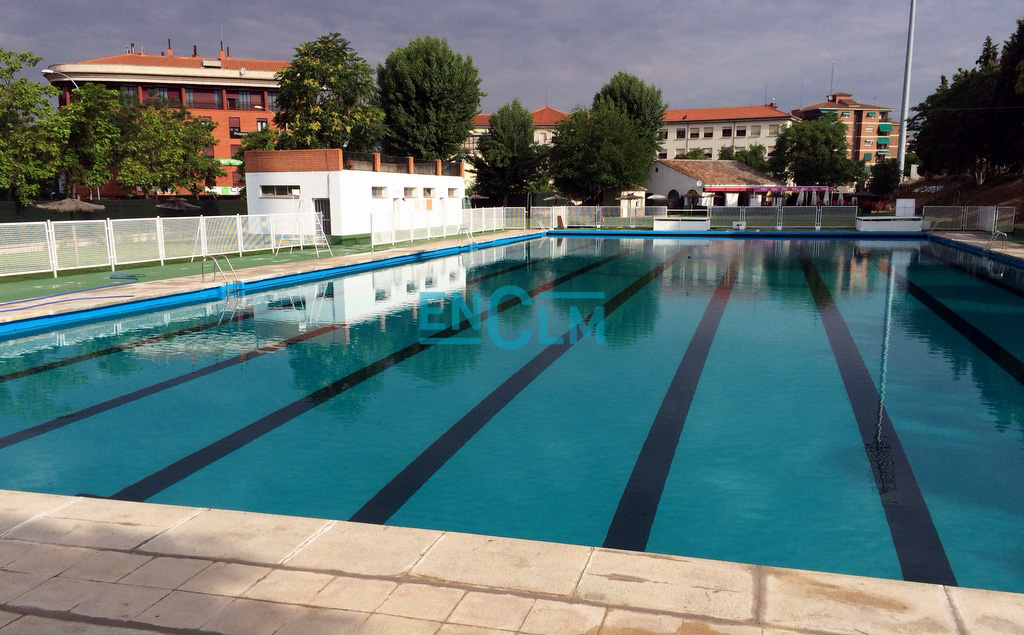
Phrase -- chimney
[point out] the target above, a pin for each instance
(170, 51)
(132, 47)
(229, 52)
(222, 50)
(195, 52)
(773, 103)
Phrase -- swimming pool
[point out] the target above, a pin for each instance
(835, 405)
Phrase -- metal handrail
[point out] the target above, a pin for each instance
(996, 235)
(234, 274)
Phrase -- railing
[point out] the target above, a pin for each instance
(424, 166)
(412, 223)
(594, 216)
(398, 165)
(802, 217)
(358, 160)
(987, 218)
(52, 246)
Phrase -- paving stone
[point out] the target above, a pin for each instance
(721, 590)
(504, 563)
(989, 611)
(85, 533)
(17, 507)
(125, 512)
(120, 601)
(849, 604)
(33, 625)
(324, 622)
(14, 583)
(421, 601)
(7, 617)
(392, 625)
(228, 535)
(106, 566)
(492, 610)
(225, 578)
(59, 594)
(165, 573)
(182, 609)
(561, 618)
(462, 629)
(48, 560)
(354, 594)
(366, 549)
(11, 550)
(252, 617)
(620, 622)
(293, 587)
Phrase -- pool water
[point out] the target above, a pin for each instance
(835, 405)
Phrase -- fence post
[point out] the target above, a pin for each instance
(963, 218)
(111, 249)
(273, 237)
(161, 250)
(817, 218)
(202, 236)
(238, 227)
(51, 246)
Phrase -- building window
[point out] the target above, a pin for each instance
(130, 90)
(542, 137)
(160, 92)
(845, 115)
(755, 131)
(773, 130)
(261, 124)
(871, 115)
(234, 127)
(868, 142)
(709, 132)
(272, 101)
(870, 128)
(236, 178)
(190, 97)
(208, 152)
(695, 133)
(708, 154)
(453, 192)
(741, 131)
(279, 190)
(379, 192)
(235, 149)
(428, 192)
(726, 132)
(662, 155)
(410, 192)
(680, 133)
(664, 134)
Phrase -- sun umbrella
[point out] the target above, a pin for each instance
(179, 205)
(70, 205)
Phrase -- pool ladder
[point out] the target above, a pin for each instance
(234, 286)
(996, 235)
(469, 237)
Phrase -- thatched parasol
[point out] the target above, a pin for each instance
(179, 205)
(70, 205)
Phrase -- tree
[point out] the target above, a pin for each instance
(641, 103)
(814, 153)
(429, 95)
(326, 99)
(597, 151)
(698, 154)
(756, 157)
(89, 157)
(31, 134)
(509, 160)
(725, 153)
(266, 139)
(885, 178)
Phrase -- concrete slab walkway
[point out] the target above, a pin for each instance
(83, 565)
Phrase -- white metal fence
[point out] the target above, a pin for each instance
(408, 225)
(569, 216)
(987, 218)
(799, 217)
(52, 246)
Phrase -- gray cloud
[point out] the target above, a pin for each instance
(701, 54)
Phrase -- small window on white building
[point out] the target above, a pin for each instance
(279, 190)
(664, 134)
(695, 132)
(869, 128)
(428, 192)
(453, 192)
(741, 131)
(707, 153)
(755, 131)
(663, 155)
(726, 132)
(773, 130)
(379, 192)
(680, 133)
(709, 132)
(410, 192)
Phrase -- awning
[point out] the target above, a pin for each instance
(883, 141)
(885, 127)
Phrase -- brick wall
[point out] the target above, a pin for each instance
(293, 161)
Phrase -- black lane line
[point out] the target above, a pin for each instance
(202, 327)
(631, 525)
(1002, 357)
(185, 467)
(996, 282)
(402, 487)
(91, 411)
(918, 546)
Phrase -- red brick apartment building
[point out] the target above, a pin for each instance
(240, 95)
(869, 132)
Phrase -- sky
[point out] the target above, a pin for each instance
(701, 54)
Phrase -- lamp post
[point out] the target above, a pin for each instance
(50, 71)
(905, 107)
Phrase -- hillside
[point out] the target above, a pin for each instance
(999, 190)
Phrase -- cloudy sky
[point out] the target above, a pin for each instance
(707, 53)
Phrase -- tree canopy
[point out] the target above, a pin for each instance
(326, 99)
(814, 153)
(31, 134)
(509, 162)
(974, 124)
(755, 156)
(885, 178)
(91, 152)
(641, 103)
(429, 95)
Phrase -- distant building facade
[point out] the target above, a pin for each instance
(239, 95)
(688, 183)
(545, 120)
(869, 131)
(710, 129)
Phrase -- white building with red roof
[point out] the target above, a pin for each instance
(545, 120)
(710, 129)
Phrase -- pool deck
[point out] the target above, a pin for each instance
(86, 565)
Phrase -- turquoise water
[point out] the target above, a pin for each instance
(845, 406)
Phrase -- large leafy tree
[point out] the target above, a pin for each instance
(31, 134)
(755, 156)
(94, 134)
(326, 99)
(814, 153)
(599, 150)
(509, 162)
(643, 104)
(429, 95)
(885, 178)
(266, 139)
